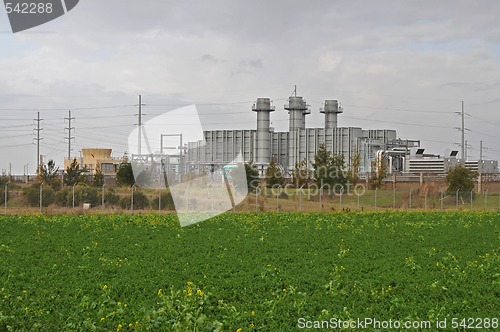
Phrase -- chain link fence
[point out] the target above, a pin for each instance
(43, 198)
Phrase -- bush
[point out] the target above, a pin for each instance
(89, 195)
(32, 196)
(62, 197)
(125, 203)
(167, 202)
(140, 201)
(111, 198)
(55, 184)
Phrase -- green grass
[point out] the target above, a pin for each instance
(258, 272)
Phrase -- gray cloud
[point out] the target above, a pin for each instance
(414, 54)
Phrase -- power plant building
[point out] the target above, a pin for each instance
(221, 147)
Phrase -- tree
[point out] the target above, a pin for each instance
(301, 174)
(98, 178)
(47, 172)
(460, 178)
(329, 170)
(252, 177)
(125, 175)
(274, 174)
(73, 173)
(354, 167)
(379, 172)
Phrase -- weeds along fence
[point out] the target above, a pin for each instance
(44, 199)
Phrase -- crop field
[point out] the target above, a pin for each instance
(247, 271)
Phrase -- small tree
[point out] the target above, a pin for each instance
(125, 175)
(98, 178)
(47, 172)
(72, 173)
(301, 174)
(274, 175)
(329, 169)
(379, 173)
(353, 170)
(460, 178)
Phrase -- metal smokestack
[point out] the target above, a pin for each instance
(331, 109)
(263, 140)
(297, 110)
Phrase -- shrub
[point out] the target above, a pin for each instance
(62, 197)
(140, 201)
(125, 203)
(167, 202)
(32, 196)
(111, 198)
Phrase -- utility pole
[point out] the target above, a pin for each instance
(38, 139)
(463, 132)
(69, 138)
(139, 123)
(466, 148)
(480, 150)
(463, 144)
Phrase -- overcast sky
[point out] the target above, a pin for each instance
(403, 65)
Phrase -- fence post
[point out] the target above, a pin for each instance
(471, 196)
(73, 194)
(277, 199)
(132, 198)
(159, 200)
(321, 197)
(300, 198)
(394, 199)
(442, 199)
(486, 199)
(457, 197)
(341, 192)
(41, 196)
(357, 194)
(376, 199)
(212, 198)
(102, 197)
(411, 190)
(5, 198)
(256, 199)
(425, 198)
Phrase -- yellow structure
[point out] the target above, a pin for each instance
(95, 159)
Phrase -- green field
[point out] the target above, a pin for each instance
(245, 271)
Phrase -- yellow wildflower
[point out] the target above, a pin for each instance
(102, 319)
(105, 287)
(200, 292)
(130, 325)
(160, 292)
(190, 283)
(119, 327)
(253, 313)
(119, 303)
(251, 325)
(239, 330)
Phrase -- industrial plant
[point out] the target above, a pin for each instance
(221, 147)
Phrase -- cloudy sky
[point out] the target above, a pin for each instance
(403, 65)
